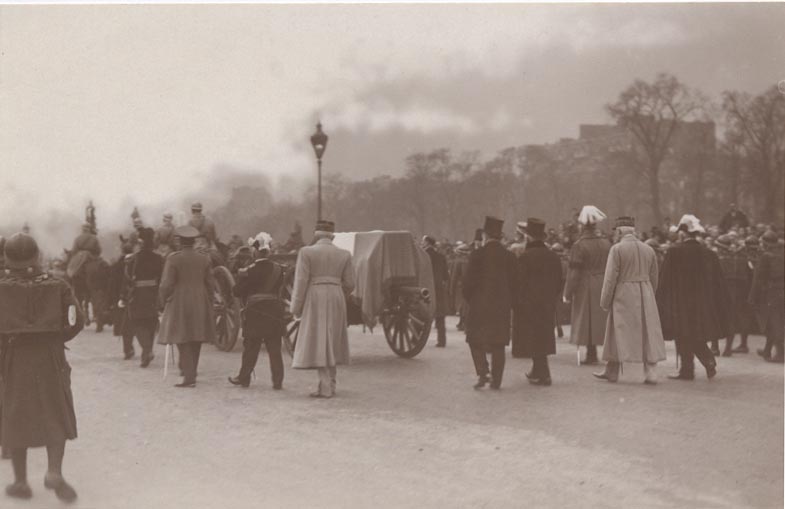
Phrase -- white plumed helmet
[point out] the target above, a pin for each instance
(263, 240)
(591, 215)
(692, 223)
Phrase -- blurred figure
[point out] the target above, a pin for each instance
(767, 295)
(38, 407)
(203, 224)
(86, 241)
(734, 217)
(121, 325)
(519, 246)
(588, 257)
(633, 333)
(441, 279)
(457, 272)
(164, 236)
(738, 278)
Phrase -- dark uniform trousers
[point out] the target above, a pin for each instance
(251, 347)
(480, 358)
(441, 331)
(144, 330)
(189, 359)
(688, 350)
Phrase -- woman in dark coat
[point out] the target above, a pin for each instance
(539, 286)
(39, 315)
(489, 288)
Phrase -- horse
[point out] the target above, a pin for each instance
(89, 276)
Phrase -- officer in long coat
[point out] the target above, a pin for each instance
(588, 257)
(186, 291)
(116, 291)
(539, 286)
(40, 314)
(633, 332)
(490, 292)
(693, 300)
(259, 287)
(767, 295)
(457, 271)
(324, 276)
(142, 277)
(441, 279)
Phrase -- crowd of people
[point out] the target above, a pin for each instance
(627, 292)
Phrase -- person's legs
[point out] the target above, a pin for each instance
(54, 475)
(441, 332)
(145, 333)
(251, 347)
(706, 357)
(333, 371)
(591, 353)
(325, 383)
(128, 343)
(480, 360)
(498, 359)
(187, 362)
(273, 345)
(728, 351)
(19, 488)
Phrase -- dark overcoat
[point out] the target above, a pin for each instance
(738, 278)
(115, 292)
(187, 290)
(457, 271)
(490, 292)
(259, 287)
(37, 403)
(767, 293)
(583, 286)
(692, 297)
(142, 279)
(441, 278)
(539, 287)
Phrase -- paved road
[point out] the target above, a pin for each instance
(413, 433)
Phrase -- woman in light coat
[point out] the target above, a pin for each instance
(633, 332)
(324, 276)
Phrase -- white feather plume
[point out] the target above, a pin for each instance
(591, 214)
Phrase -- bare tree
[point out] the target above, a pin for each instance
(759, 124)
(652, 113)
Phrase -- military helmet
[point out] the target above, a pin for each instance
(21, 251)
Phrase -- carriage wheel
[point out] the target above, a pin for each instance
(292, 325)
(406, 329)
(227, 311)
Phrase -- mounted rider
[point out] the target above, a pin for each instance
(203, 224)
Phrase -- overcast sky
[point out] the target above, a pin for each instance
(137, 104)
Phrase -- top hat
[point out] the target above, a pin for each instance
(493, 226)
(325, 226)
(628, 221)
(535, 228)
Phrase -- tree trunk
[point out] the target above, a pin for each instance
(654, 188)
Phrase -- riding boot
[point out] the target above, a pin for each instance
(715, 347)
(728, 346)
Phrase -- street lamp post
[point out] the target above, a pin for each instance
(319, 143)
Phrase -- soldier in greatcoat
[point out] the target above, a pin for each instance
(767, 295)
(539, 286)
(203, 224)
(633, 332)
(441, 278)
(121, 325)
(142, 277)
(738, 278)
(164, 236)
(40, 314)
(187, 290)
(490, 292)
(324, 277)
(693, 300)
(588, 257)
(259, 287)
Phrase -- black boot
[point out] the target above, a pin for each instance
(63, 490)
(238, 380)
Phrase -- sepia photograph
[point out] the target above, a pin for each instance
(392, 255)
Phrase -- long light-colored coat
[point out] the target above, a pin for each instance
(633, 332)
(187, 288)
(323, 277)
(588, 258)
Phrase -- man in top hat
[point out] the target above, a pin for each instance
(142, 277)
(164, 236)
(539, 286)
(38, 407)
(489, 288)
(441, 278)
(187, 290)
(767, 295)
(519, 246)
(324, 276)
(588, 257)
(692, 299)
(259, 287)
(457, 271)
(203, 224)
(633, 332)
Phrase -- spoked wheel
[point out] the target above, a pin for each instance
(227, 311)
(292, 324)
(406, 328)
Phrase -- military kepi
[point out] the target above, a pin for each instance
(323, 225)
(625, 221)
(186, 232)
(493, 226)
